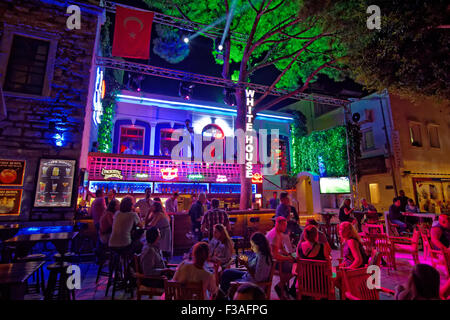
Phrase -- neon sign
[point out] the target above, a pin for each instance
(169, 173)
(108, 174)
(257, 178)
(221, 178)
(142, 175)
(195, 176)
(250, 94)
(99, 94)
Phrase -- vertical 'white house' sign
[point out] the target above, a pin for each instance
(249, 146)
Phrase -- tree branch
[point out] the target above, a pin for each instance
(274, 8)
(294, 59)
(297, 91)
(180, 11)
(251, 5)
(266, 63)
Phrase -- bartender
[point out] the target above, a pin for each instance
(172, 204)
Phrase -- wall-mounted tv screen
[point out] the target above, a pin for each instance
(335, 185)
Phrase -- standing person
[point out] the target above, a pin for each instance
(124, 222)
(345, 211)
(284, 208)
(403, 200)
(172, 204)
(111, 196)
(395, 214)
(196, 213)
(106, 221)
(213, 217)
(161, 220)
(273, 203)
(130, 149)
(98, 208)
(282, 254)
(440, 233)
(144, 205)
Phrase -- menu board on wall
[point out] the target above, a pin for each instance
(11, 172)
(55, 183)
(10, 200)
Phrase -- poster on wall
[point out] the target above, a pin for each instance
(55, 183)
(433, 195)
(10, 200)
(11, 172)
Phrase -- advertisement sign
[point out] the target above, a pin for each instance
(55, 183)
(11, 172)
(10, 200)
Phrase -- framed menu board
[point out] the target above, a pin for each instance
(11, 172)
(10, 200)
(55, 183)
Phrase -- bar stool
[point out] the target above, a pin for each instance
(68, 257)
(102, 262)
(57, 282)
(38, 276)
(118, 272)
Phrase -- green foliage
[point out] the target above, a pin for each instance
(106, 127)
(329, 144)
(354, 149)
(170, 45)
(210, 11)
(408, 55)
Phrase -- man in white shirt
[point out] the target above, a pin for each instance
(172, 204)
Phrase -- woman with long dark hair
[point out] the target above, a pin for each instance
(161, 220)
(258, 266)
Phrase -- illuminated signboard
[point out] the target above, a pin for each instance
(221, 178)
(99, 94)
(195, 176)
(108, 174)
(257, 178)
(169, 173)
(142, 175)
(250, 94)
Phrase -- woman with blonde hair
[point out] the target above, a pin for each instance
(353, 251)
(220, 246)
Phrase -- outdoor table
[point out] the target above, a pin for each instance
(421, 215)
(25, 242)
(326, 216)
(13, 277)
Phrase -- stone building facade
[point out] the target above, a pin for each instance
(45, 99)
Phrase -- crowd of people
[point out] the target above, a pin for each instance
(121, 226)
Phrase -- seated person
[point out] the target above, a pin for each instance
(370, 211)
(106, 221)
(395, 215)
(354, 254)
(152, 263)
(249, 291)
(440, 233)
(282, 252)
(312, 248)
(258, 266)
(220, 246)
(322, 237)
(194, 272)
(423, 284)
(411, 207)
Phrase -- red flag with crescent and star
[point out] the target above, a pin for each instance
(132, 31)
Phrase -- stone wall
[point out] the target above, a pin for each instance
(28, 131)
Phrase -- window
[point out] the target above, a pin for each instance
(131, 140)
(374, 192)
(320, 109)
(415, 134)
(433, 132)
(368, 141)
(27, 65)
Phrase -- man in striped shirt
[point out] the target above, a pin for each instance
(213, 217)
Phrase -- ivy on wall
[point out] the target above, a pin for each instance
(106, 126)
(354, 149)
(328, 145)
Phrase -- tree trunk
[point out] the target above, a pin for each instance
(246, 184)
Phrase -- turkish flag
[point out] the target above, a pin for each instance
(132, 33)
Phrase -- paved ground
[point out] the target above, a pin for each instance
(92, 291)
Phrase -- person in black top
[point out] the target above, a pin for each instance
(345, 211)
(312, 248)
(403, 200)
(196, 214)
(395, 214)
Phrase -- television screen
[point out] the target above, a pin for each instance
(335, 185)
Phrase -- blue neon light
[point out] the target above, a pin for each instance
(195, 107)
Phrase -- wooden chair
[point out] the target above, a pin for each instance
(143, 290)
(356, 285)
(428, 251)
(391, 228)
(314, 279)
(407, 245)
(382, 244)
(265, 285)
(174, 290)
(373, 228)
